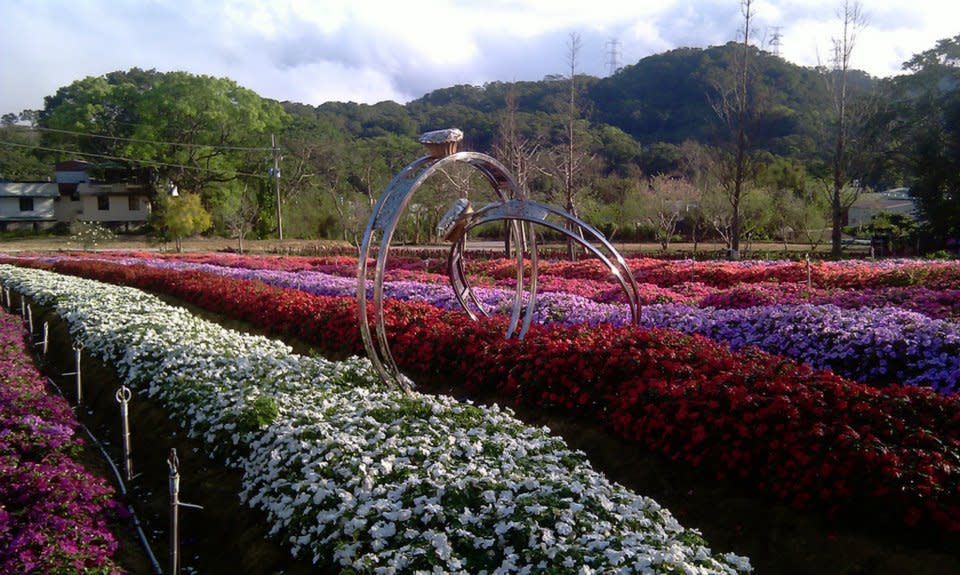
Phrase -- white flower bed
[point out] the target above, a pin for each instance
(354, 474)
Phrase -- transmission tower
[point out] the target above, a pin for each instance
(775, 39)
(613, 56)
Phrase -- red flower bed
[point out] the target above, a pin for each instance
(808, 437)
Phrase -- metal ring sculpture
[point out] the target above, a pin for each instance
(512, 207)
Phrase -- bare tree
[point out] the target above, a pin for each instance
(241, 214)
(852, 21)
(700, 167)
(568, 165)
(667, 204)
(520, 154)
(735, 108)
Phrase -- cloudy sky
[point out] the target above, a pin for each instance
(313, 51)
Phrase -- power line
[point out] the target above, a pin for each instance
(139, 141)
(121, 158)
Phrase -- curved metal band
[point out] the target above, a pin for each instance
(385, 218)
(537, 213)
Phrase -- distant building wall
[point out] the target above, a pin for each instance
(896, 201)
(112, 203)
(27, 204)
(73, 197)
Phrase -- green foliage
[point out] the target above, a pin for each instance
(184, 216)
(893, 226)
(258, 414)
(18, 159)
(921, 126)
(663, 98)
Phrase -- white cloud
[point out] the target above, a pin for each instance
(317, 50)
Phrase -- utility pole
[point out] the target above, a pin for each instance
(276, 174)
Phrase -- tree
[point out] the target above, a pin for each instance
(520, 154)
(195, 132)
(785, 183)
(19, 159)
(666, 204)
(852, 20)
(97, 114)
(735, 107)
(184, 216)
(569, 162)
(198, 130)
(921, 122)
(698, 165)
(239, 214)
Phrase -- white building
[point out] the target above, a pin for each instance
(895, 201)
(26, 205)
(72, 197)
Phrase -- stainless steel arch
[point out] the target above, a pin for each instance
(511, 207)
(384, 219)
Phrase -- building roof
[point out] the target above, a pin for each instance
(72, 166)
(29, 189)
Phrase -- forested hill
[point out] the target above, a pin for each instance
(665, 98)
(658, 116)
(671, 97)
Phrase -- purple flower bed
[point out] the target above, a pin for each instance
(871, 345)
(53, 513)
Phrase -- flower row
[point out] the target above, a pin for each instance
(366, 478)
(877, 346)
(53, 512)
(806, 436)
(852, 274)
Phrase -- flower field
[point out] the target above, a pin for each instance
(355, 475)
(53, 513)
(838, 395)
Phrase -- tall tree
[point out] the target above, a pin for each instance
(97, 114)
(199, 130)
(18, 157)
(569, 162)
(519, 153)
(922, 123)
(735, 107)
(852, 21)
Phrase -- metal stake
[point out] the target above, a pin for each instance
(23, 307)
(123, 398)
(29, 317)
(46, 337)
(809, 273)
(175, 504)
(77, 349)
